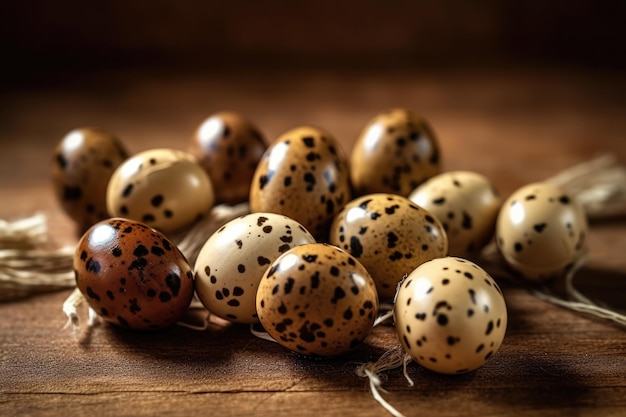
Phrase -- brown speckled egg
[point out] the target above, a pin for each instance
(84, 161)
(395, 152)
(228, 147)
(232, 262)
(132, 275)
(318, 300)
(450, 315)
(541, 231)
(302, 175)
(164, 188)
(390, 236)
(467, 205)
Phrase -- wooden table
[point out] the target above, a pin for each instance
(516, 126)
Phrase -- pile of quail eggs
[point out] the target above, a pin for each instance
(328, 239)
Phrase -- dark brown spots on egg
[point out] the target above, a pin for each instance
(72, 193)
(241, 268)
(134, 306)
(539, 227)
(489, 328)
(267, 229)
(93, 266)
(467, 222)
(172, 281)
(392, 240)
(157, 251)
(338, 295)
(420, 316)
(518, 247)
(157, 200)
(147, 218)
(308, 141)
(127, 190)
(309, 258)
(310, 181)
(356, 248)
(564, 200)
(347, 314)
(91, 294)
(116, 251)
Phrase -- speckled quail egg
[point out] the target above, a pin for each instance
(233, 260)
(467, 205)
(84, 161)
(541, 231)
(164, 188)
(396, 151)
(132, 275)
(229, 148)
(317, 300)
(450, 315)
(302, 175)
(390, 236)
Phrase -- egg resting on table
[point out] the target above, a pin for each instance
(132, 275)
(163, 188)
(317, 299)
(232, 262)
(450, 315)
(390, 236)
(396, 151)
(84, 161)
(302, 175)
(541, 231)
(228, 147)
(467, 205)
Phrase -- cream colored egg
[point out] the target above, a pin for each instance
(317, 299)
(396, 151)
(467, 205)
(390, 236)
(163, 188)
(303, 175)
(84, 160)
(541, 231)
(228, 146)
(232, 262)
(450, 315)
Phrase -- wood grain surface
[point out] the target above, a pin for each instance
(513, 125)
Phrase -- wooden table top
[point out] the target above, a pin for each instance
(515, 126)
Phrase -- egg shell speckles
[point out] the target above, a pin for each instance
(229, 148)
(233, 260)
(390, 236)
(302, 175)
(396, 151)
(467, 205)
(132, 275)
(316, 299)
(541, 231)
(84, 161)
(163, 188)
(450, 315)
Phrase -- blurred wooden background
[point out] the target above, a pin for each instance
(41, 40)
